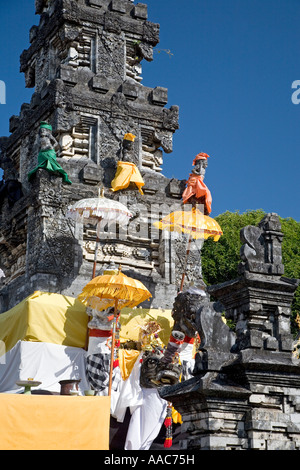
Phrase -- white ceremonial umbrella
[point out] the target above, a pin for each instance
(99, 211)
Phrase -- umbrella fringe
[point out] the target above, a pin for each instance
(108, 297)
(102, 292)
(192, 223)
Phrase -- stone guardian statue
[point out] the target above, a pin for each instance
(47, 155)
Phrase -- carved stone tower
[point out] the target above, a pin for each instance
(84, 64)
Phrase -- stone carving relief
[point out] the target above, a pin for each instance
(58, 256)
(13, 246)
(112, 51)
(19, 267)
(82, 52)
(81, 141)
(73, 47)
(140, 257)
(136, 51)
(152, 158)
(10, 186)
(112, 23)
(191, 265)
(53, 248)
(41, 6)
(133, 61)
(153, 145)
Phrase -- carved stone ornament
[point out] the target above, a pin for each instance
(155, 373)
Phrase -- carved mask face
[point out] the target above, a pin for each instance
(149, 369)
(200, 167)
(155, 374)
(44, 132)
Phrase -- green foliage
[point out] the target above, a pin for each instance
(291, 259)
(220, 260)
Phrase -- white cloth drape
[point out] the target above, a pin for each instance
(44, 362)
(146, 421)
(147, 409)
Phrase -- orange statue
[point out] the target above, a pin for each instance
(196, 191)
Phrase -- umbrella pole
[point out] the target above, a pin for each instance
(112, 353)
(93, 276)
(95, 258)
(186, 260)
(97, 246)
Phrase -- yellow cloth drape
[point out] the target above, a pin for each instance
(45, 317)
(132, 319)
(176, 417)
(40, 422)
(58, 319)
(127, 173)
(127, 359)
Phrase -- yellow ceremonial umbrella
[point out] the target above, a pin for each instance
(195, 224)
(191, 222)
(113, 290)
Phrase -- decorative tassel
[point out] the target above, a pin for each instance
(168, 421)
(168, 424)
(168, 442)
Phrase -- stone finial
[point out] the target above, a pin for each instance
(40, 5)
(261, 250)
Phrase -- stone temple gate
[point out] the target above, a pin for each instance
(84, 64)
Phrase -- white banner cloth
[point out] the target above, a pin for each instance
(44, 362)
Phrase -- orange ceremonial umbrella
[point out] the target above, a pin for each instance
(193, 223)
(113, 290)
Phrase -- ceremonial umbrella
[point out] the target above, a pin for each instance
(99, 211)
(195, 224)
(113, 290)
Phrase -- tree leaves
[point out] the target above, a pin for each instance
(220, 260)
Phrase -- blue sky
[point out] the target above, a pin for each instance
(230, 70)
